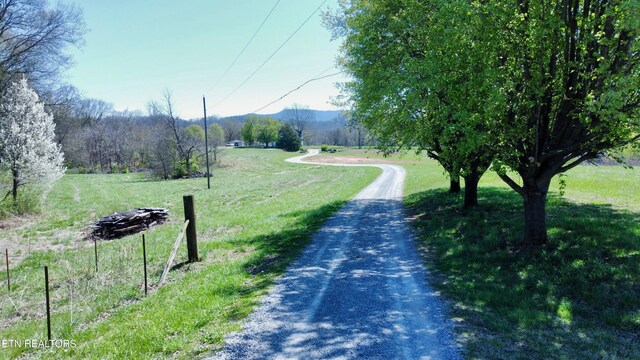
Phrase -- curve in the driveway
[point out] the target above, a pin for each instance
(359, 290)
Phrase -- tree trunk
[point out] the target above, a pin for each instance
(454, 185)
(471, 189)
(187, 164)
(14, 189)
(535, 227)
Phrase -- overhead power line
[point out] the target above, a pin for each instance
(272, 55)
(318, 77)
(246, 45)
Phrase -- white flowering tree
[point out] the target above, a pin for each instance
(27, 147)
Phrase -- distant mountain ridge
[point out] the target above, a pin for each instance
(319, 115)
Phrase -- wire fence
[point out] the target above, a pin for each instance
(79, 292)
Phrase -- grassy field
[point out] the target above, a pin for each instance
(576, 298)
(257, 216)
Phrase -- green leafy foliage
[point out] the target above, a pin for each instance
(260, 129)
(216, 135)
(569, 76)
(288, 139)
(532, 87)
(248, 132)
(267, 130)
(194, 133)
(180, 169)
(420, 81)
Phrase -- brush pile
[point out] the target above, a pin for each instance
(121, 224)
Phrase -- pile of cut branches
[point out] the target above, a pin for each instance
(121, 224)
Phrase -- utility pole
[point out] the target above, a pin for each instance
(206, 141)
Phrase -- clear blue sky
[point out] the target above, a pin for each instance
(134, 49)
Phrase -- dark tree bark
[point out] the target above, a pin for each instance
(471, 189)
(449, 167)
(534, 194)
(454, 184)
(187, 165)
(16, 183)
(535, 226)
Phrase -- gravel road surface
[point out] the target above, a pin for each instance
(359, 290)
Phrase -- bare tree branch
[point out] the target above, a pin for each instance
(299, 117)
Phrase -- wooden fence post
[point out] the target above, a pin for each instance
(190, 214)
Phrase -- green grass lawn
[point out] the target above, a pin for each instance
(576, 298)
(257, 216)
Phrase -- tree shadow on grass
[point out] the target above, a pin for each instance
(277, 250)
(576, 297)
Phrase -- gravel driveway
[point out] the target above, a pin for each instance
(359, 290)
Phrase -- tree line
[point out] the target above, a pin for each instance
(95, 138)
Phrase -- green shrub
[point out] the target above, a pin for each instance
(180, 169)
(288, 139)
(119, 169)
(324, 148)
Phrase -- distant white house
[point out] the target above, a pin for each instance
(235, 143)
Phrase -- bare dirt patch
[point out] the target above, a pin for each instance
(17, 222)
(220, 232)
(20, 246)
